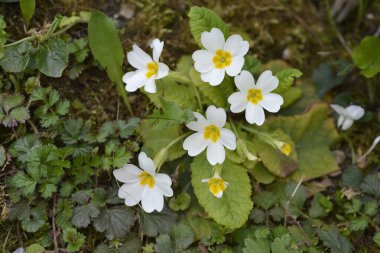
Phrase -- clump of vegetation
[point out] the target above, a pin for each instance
(172, 151)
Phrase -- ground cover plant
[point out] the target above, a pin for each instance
(189, 126)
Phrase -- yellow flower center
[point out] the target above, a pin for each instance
(152, 69)
(212, 132)
(286, 149)
(254, 96)
(146, 179)
(222, 59)
(216, 185)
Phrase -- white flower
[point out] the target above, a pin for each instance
(143, 185)
(348, 115)
(216, 185)
(210, 135)
(220, 56)
(148, 69)
(253, 97)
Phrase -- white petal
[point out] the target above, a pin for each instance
(339, 109)
(128, 174)
(267, 82)
(137, 79)
(215, 153)
(146, 163)
(136, 61)
(144, 57)
(157, 47)
(254, 114)
(213, 77)
(244, 81)
(271, 102)
(236, 46)
(131, 86)
(228, 139)
(347, 123)
(203, 60)
(216, 116)
(213, 40)
(150, 86)
(195, 144)
(198, 125)
(340, 120)
(163, 179)
(238, 101)
(165, 189)
(152, 200)
(355, 112)
(131, 193)
(163, 70)
(236, 66)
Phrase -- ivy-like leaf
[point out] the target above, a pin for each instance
(203, 20)
(116, 221)
(52, 57)
(230, 211)
(367, 56)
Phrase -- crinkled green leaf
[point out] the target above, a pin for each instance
(254, 245)
(52, 57)
(115, 222)
(371, 185)
(358, 224)
(283, 245)
(230, 211)
(16, 57)
(20, 114)
(203, 20)
(154, 223)
(180, 202)
(265, 199)
(23, 181)
(82, 215)
(22, 147)
(312, 134)
(64, 213)
(367, 56)
(183, 236)
(286, 79)
(335, 241)
(370, 208)
(74, 239)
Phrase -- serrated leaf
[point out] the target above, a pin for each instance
(35, 248)
(370, 208)
(154, 223)
(116, 221)
(367, 56)
(22, 147)
(35, 220)
(172, 111)
(312, 134)
(286, 79)
(19, 211)
(252, 245)
(180, 202)
(257, 215)
(64, 213)
(183, 236)
(335, 241)
(10, 102)
(82, 215)
(27, 9)
(74, 239)
(163, 244)
(52, 57)
(230, 211)
(265, 199)
(282, 245)
(203, 20)
(16, 57)
(24, 182)
(105, 44)
(20, 114)
(358, 224)
(371, 185)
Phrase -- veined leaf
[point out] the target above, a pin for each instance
(27, 9)
(367, 56)
(233, 209)
(52, 57)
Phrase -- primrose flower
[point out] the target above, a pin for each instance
(254, 98)
(220, 56)
(211, 135)
(348, 115)
(284, 147)
(147, 69)
(216, 185)
(143, 185)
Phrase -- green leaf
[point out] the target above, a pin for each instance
(253, 245)
(105, 44)
(3, 156)
(82, 215)
(376, 239)
(180, 202)
(335, 241)
(282, 245)
(261, 174)
(163, 244)
(35, 220)
(290, 96)
(370, 208)
(203, 20)
(52, 57)
(24, 182)
(183, 236)
(230, 211)
(10, 102)
(16, 57)
(172, 111)
(20, 114)
(286, 79)
(74, 239)
(352, 176)
(22, 147)
(19, 211)
(35, 248)
(312, 134)
(367, 56)
(371, 185)
(116, 221)
(318, 206)
(154, 223)
(157, 134)
(27, 9)
(358, 224)
(325, 79)
(3, 36)
(265, 199)
(64, 213)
